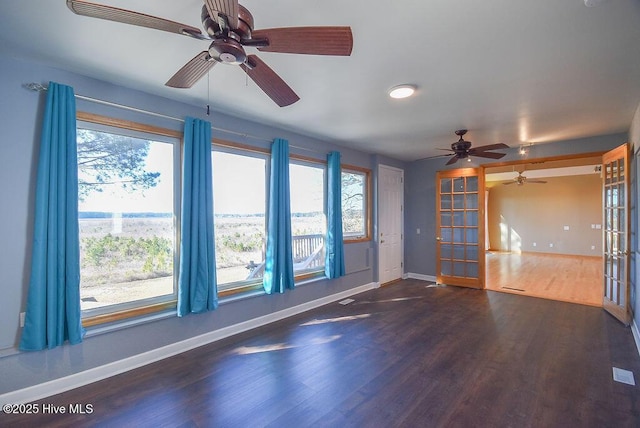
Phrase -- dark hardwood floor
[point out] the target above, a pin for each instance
(402, 355)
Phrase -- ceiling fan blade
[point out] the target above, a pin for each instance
(269, 81)
(192, 71)
(228, 8)
(482, 154)
(452, 160)
(307, 40)
(95, 10)
(491, 147)
(510, 182)
(536, 181)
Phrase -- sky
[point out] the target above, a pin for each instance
(238, 181)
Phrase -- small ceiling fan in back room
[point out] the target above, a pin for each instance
(229, 27)
(462, 149)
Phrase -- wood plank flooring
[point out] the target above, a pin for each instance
(406, 355)
(575, 279)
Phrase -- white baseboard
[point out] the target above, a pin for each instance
(636, 334)
(421, 277)
(86, 377)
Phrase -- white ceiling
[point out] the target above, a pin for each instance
(509, 71)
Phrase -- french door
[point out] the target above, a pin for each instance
(460, 227)
(615, 177)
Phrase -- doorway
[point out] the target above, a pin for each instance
(544, 228)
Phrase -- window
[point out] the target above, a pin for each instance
(308, 219)
(355, 200)
(239, 205)
(126, 210)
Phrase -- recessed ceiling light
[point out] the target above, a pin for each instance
(402, 91)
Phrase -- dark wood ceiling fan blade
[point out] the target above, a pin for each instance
(228, 8)
(510, 182)
(192, 71)
(307, 40)
(95, 10)
(269, 81)
(489, 155)
(536, 181)
(497, 146)
(452, 160)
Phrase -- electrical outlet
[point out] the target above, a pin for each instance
(534, 244)
(566, 227)
(22, 315)
(418, 231)
(593, 247)
(550, 245)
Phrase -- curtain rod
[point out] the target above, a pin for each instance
(38, 87)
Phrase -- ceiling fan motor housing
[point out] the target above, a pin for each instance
(227, 51)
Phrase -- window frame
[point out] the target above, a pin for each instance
(139, 308)
(237, 287)
(367, 203)
(312, 163)
(126, 310)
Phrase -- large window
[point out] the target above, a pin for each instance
(355, 215)
(126, 219)
(308, 220)
(239, 205)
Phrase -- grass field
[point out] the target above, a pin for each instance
(127, 259)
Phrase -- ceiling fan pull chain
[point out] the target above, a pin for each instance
(208, 92)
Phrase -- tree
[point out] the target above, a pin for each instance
(352, 202)
(106, 159)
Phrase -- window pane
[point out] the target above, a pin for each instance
(239, 203)
(127, 247)
(354, 214)
(308, 222)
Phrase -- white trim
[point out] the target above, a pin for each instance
(76, 380)
(636, 334)
(421, 277)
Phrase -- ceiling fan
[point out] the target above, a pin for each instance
(229, 27)
(521, 179)
(462, 149)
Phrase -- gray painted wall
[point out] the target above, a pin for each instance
(420, 194)
(20, 116)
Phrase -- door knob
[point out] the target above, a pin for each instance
(438, 238)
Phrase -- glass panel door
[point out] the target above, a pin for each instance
(616, 293)
(460, 208)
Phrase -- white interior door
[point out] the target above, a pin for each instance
(390, 223)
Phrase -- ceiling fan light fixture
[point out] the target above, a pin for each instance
(402, 91)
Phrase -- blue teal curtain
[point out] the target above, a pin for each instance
(53, 303)
(197, 289)
(334, 250)
(278, 272)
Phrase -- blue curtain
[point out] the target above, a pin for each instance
(334, 251)
(278, 272)
(53, 303)
(197, 290)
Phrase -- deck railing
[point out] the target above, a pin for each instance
(307, 251)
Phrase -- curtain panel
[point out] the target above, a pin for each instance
(278, 273)
(197, 289)
(53, 312)
(334, 251)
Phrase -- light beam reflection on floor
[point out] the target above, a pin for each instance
(338, 319)
(245, 350)
(398, 299)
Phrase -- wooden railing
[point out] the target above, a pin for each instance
(303, 247)
(307, 251)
